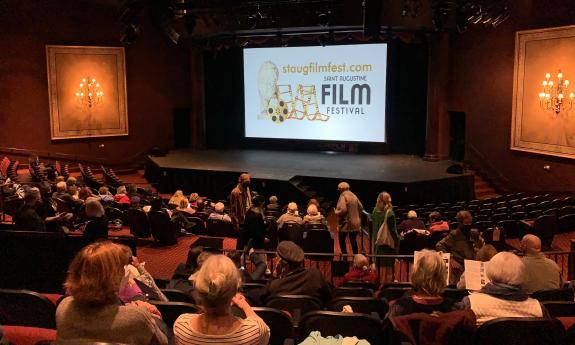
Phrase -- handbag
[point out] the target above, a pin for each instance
(384, 237)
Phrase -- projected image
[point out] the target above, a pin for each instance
(303, 93)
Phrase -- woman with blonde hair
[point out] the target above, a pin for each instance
(429, 279)
(216, 288)
(94, 313)
(386, 241)
(177, 198)
(361, 271)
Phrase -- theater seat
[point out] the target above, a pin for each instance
(21, 335)
(364, 305)
(280, 324)
(521, 331)
(26, 308)
(565, 294)
(331, 323)
(172, 310)
(296, 305)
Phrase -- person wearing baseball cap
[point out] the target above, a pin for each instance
(292, 278)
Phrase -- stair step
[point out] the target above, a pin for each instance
(310, 193)
(303, 188)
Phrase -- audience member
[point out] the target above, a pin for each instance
(84, 193)
(462, 243)
(313, 216)
(428, 278)
(194, 199)
(26, 218)
(185, 269)
(292, 278)
(73, 190)
(97, 226)
(383, 213)
(436, 223)
(361, 271)
(177, 198)
(200, 205)
(183, 278)
(412, 222)
(256, 260)
(348, 211)
(157, 205)
(241, 198)
(71, 181)
(132, 191)
(219, 213)
(121, 197)
(503, 296)
(217, 285)
(540, 273)
(105, 195)
(254, 231)
(484, 254)
(61, 190)
(273, 204)
(93, 312)
(291, 216)
(46, 211)
(184, 206)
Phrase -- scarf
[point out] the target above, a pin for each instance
(505, 291)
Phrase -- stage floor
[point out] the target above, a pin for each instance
(284, 165)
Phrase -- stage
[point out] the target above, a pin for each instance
(313, 174)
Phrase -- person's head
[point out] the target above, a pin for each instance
(156, 204)
(178, 194)
(45, 188)
(486, 253)
(31, 199)
(530, 244)
(216, 283)
(244, 180)
(313, 202)
(292, 208)
(183, 203)
(73, 189)
(103, 190)
(36, 192)
(202, 257)
(84, 193)
(383, 201)
(219, 207)
(60, 178)
(71, 181)
(360, 262)
(312, 210)
(194, 197)
(430, 274)
(131, 189)
(505, 268)
(291, 255)
(434, 217)
(342, 187)
(411, 214)
(465, 220)
(192, 259)
(95, 274)
(94, 208)
(61, 187)
(273, 199)
(258, 201)
(121, 190)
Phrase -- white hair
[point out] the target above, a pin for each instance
(343, 186)
(94, 208)
(217, 281)
(411, 214)
(312, 210)
(219, 207)
(505, 268)
(292, 207)
(61, 186)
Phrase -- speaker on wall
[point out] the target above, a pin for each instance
(182, 127)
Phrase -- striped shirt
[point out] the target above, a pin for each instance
(253, 331)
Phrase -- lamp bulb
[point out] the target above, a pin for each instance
(542, 95)
(566, 83)
(544, 82)
(547, 75)
(83, 80)
(571, 95)
(560, 96)
(550, 83)
(547, 95)
(560, 75)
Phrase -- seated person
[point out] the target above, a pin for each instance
(185, 269)
(313, 216)
(429, 279)
(256, 259)
(85, 193)
(436, 223)
(121, 197)
(540, 273)
(219, 213)
(217, 285)
(184, 206)
(484, 254)
(105, 195)
(61, 190)
(97, 226)
(200, 205)
(503, 296)
(177, 198)
(132, 191)
(273, 204)
(361, 271)
(292, 278)
(412, 222)
(183, 282)
(157, 204)
(27, 218)
(93, 311)
(291, 216)
(194, 200)
(74, 192)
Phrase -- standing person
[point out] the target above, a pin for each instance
(254, 226)
(348, 211)
(241, 198)
(383, 213)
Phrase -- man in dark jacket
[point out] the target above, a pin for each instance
(293, 278)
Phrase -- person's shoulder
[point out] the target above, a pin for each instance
(184, 319)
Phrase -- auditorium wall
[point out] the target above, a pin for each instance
(158, 77)
(481, 85)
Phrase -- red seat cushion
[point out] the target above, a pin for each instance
(27, 335)
(53, 297)
(567, 321)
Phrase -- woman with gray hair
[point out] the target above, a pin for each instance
(97, 226)
(429, 279)
(217, 283)
(503, 296)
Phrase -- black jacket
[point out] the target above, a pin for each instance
(301, 281)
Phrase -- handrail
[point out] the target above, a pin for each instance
(502, 179)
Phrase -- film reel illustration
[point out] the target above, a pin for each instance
(284, 106)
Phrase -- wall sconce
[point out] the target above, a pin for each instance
(90, 93)
(554, 95)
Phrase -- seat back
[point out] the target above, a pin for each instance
(317, 241)
(510, 227)
(220, 228)
(26, 308)
(521, 331)
(564, 294)
(113, 213)
(362, 284)
(365, 305)
(393, 292)
(567, 222)
(352, 292)
(174, 295)
(331, 323)
(290, 232)
(172, 310)
(279, 322)
(162, 228)
(138, 222)
(291, 303)
(560, 308)
(455, 294)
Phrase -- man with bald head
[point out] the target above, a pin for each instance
(539, 273)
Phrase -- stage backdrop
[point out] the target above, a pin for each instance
(534, 129)
(74, 73)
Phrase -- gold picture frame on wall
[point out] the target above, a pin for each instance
(87, 91)
(535, 129)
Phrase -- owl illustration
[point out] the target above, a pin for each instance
(267, 87)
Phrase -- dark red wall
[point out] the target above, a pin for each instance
(158, 77)
(481, 85)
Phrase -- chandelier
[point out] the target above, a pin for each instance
(554, 95)
(90, 94)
